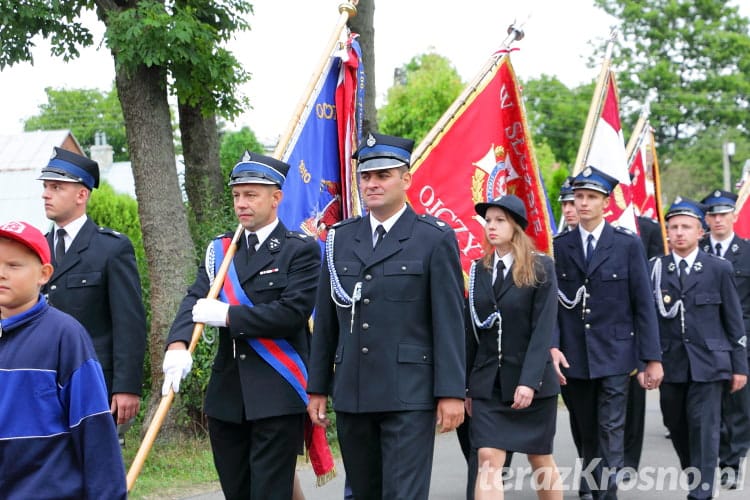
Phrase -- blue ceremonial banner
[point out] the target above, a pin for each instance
(319, 153)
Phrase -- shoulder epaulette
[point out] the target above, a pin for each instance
(347, 221)
(298, 235)
(434, 221)
(109, 231)
(624, 230)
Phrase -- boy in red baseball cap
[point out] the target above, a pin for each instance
(57, 437)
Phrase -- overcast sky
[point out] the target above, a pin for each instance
(287, 40)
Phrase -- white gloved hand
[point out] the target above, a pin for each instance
(176, 366)
(211, 312)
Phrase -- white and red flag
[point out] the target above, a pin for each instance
(481, 149)
(606, 151)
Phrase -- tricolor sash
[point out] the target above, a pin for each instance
(276, 352)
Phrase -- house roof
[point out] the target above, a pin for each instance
(22, 157)
(32, 150)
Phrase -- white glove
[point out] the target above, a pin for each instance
(176, 366)
(212, 312)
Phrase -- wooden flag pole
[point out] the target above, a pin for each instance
(347, 10)
(637, 136)
(657, 189)
(514, 34)
(596, 107)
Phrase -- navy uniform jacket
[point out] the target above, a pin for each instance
(712, 347)
(529, 316)
(280, 280)
(97, 283)
(617, 330)
(407, 345)
(738, 254)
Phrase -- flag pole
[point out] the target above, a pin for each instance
(657, 190)
(514, 34)
(637, 136)
(596, 105)
(347, 10)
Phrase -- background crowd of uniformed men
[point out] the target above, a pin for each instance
(392, 329)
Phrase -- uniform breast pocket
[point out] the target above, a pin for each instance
(348, 273)
(403, 280)
(84, 290)
(84, 280)
(613, 274)
(707, 299)
(270, 282)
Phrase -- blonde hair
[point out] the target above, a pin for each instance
(526, 271)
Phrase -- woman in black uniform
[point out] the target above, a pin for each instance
(512, 386)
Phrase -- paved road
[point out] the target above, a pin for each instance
(449, 469)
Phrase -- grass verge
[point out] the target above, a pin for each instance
(173, 469)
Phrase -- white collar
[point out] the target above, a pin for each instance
(507, 260)
(690, 259)
(72, 229)
(388, 223)
(725, 243)
(597, 232)
(264, 232)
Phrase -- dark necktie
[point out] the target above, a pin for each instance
(683, 272)
(718, 249)
(499, 277)
(252, 240)
(60, 245)
(589, 248)
(381, 234)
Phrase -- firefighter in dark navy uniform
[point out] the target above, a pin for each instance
(703, 343)
(734, 440)
(96, 279)
(606, 327)
(389, 318)
(255, 400)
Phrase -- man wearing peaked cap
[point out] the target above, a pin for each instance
(567, 203)
(607, 327)
(389, 318)
(95, 279)
(255, 399)
(722, 241)
(703, 343)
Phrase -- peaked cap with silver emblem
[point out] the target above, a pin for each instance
(381, 152)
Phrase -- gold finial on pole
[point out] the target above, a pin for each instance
(515, 33)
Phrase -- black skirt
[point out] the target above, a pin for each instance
(531, 430)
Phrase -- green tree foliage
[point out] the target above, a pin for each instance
(22, 21)
(84, 112)
(430, 84)
(185, 37)
(692, 56)
(557, 115)
(695, 169)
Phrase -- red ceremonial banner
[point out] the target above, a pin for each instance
(484, 151)
(642, 183)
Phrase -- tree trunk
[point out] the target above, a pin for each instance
(166, 238)
(200, 148)
(362, 23)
